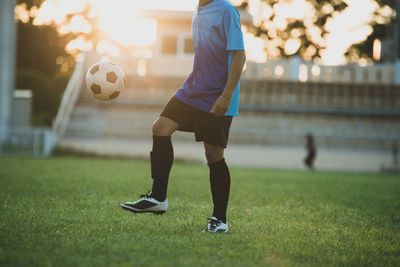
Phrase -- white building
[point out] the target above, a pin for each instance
(173, 51)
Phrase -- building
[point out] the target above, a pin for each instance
(174, 43)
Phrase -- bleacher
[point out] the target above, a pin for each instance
(273, 112)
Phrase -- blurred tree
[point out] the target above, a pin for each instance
(40, 47)
(306, 46)
(290, 30)
(305, 28)
(30, 3)
(47, 92)
(43, 65)
(60, 28)
(382, 31)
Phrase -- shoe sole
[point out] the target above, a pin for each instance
(218, 232)
(214, 233)
(158, 212)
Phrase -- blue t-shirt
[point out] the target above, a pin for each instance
(216, 33)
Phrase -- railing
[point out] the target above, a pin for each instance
(321, 98)
(295, 69)
(292, 69)
(36, 142)
(69, 98)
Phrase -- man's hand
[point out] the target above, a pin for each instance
(220, 106)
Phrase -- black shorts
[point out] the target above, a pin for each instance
(207, 128)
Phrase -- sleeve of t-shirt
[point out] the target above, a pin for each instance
(232, 29)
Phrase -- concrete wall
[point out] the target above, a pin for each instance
(7, 63)
(22, 109)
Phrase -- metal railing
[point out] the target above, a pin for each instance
(25, 141)
(70, 97)
(294, 69)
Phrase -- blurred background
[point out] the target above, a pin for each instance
(320, 89)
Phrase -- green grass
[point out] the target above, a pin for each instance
(65, 212)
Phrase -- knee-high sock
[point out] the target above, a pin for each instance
(220, 181)
(161, 158)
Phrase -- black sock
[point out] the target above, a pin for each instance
(161, 158)
(220, 181)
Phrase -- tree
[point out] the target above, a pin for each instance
(42, 65)
(307, 28)
(382, 31)
(305, 31)
(41, 48)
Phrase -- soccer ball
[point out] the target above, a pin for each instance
(105, 80)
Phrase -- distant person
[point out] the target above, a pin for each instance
(311, 152)
(205, 105)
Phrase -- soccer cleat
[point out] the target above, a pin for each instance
(147, 204)
(216, 226)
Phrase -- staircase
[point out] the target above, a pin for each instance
(130, 116)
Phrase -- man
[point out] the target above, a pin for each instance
(204, 105)
(311, 151)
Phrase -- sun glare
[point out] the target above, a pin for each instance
(78, 44)
(117, 20)
(57, 11)
(254, 47)
(347, 28)
(21, 13)
(78, 24)
(128, 29)
(117, 24)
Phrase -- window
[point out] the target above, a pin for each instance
(169, 45)
(188, 46)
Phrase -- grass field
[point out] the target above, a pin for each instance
(65, 212)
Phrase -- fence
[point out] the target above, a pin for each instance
(70, 96)
(327, 98)
(295, 69)
(23, 141)
(350, 116)
(292, 69)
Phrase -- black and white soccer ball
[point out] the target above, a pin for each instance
(105, 80)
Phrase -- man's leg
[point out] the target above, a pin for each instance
(220, 180)
(161, 156)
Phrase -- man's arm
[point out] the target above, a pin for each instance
(223, 102)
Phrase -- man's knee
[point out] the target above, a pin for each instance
(164, 127)
(213, 153)
(157, 127)
(213, 157)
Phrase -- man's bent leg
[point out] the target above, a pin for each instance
(220, 180)
(161, 156)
